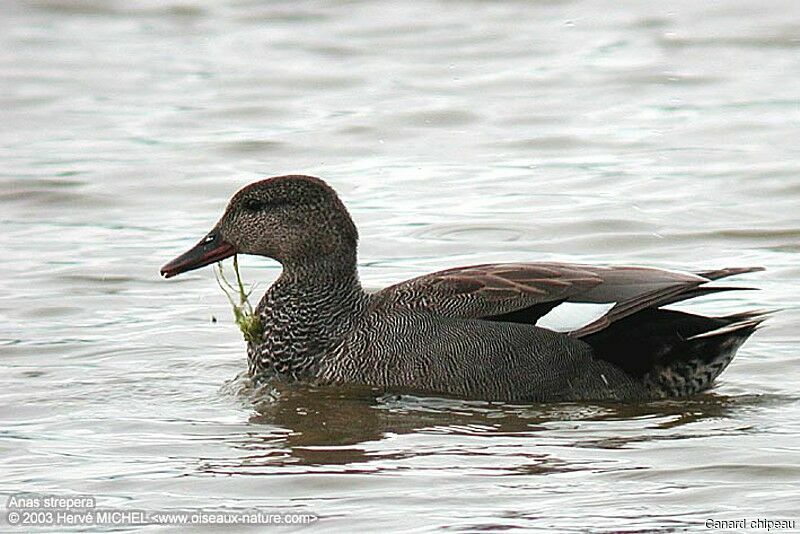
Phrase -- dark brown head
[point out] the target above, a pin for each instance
(295, 220)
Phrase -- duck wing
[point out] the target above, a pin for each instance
(483, 291)
(527, 292)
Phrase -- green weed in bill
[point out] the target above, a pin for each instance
(246, 319)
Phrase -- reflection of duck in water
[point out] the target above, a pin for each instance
(466, 332)
(330, 429)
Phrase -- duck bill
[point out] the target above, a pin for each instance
(210, 249)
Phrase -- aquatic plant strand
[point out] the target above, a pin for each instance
(243, 314)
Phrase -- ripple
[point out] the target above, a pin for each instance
(469, 233)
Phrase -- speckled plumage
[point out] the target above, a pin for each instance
(466, 332)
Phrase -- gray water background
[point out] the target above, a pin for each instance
(457, 132)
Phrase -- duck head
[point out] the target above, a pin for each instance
(296, 220)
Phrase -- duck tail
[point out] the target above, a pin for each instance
(674, 353)
(692, 364)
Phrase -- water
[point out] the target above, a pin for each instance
(457, 132)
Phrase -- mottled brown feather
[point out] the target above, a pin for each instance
(495, 291)
(481, 291)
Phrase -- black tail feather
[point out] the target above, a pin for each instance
(677, 352)
(693, 366)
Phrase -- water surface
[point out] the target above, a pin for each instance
(457, 132)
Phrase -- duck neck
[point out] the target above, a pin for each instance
(305, 313)
(331, 288)
(338, 267)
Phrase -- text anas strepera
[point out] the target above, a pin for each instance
(466, 332)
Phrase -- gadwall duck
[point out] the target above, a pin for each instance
(481, 332)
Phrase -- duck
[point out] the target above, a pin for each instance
(475, 332)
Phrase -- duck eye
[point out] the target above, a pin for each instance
(253, 204)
